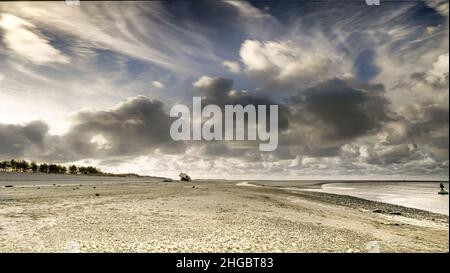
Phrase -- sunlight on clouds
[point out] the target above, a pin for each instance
(23, 112)
(23, 38)
(157, 84)
(246, 9)
(101, 142)
(440, 69)
(394, 122)
(288, 64)
(203, 81)
(232, 66)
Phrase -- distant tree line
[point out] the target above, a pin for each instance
(25, 166)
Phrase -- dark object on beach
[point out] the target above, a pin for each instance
(388, 212)
(167, 180)
(97, 194)
(9, 186)
(395, 213)
(54, 184)
(442, 191)
(185, 177)
(193, 187)
(94, 187)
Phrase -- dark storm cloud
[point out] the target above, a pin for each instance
(424, 121)
(315, 122)
(15, 140)
(332, 113)
(431, 132)
(219, 91)
(389, 154)
(135, 127)
(35, 131)
(342, 111)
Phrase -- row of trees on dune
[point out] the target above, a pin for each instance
(25, 166)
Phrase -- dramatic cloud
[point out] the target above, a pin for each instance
(362, 91)
(331, 114)
(437, 76)
(21, 140)
(135, 127)
(286, 65)
(431, 133)
(341, 111)
(219, 91)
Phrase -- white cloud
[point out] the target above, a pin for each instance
(158, 84)
(141, 30)
(101, 142)
(204, 81)
(24, 39)
(439, 71)
(287, 64)
(294, 55)
(232, 66)
(247, 9)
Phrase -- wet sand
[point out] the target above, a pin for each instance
(206, 216)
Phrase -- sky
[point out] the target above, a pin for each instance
(362, 90)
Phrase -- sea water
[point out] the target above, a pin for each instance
(420, 195)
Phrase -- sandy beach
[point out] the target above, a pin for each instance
(204, 216)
